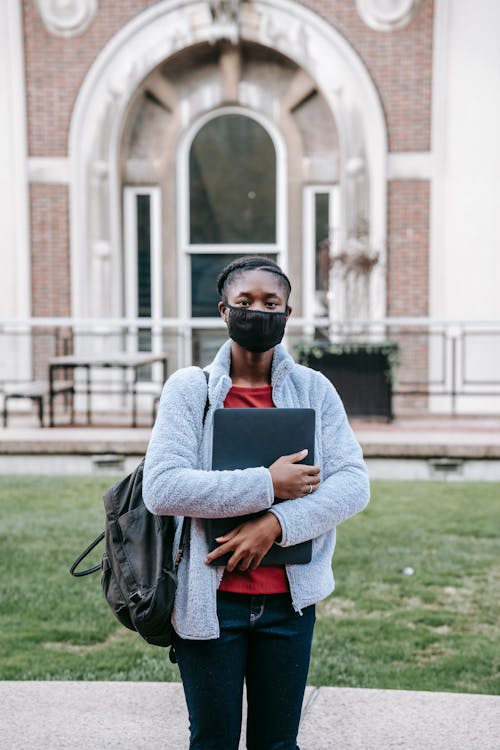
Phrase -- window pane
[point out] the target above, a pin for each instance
(143, 256)
(322, 239)
(204, 272)
(144, 276)
(232, 177)
(322, 251)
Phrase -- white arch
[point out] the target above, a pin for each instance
(148, 40)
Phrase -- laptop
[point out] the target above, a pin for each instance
(246, 438)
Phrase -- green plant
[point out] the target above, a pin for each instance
(308, 350)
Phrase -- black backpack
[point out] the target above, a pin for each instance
(139, 575)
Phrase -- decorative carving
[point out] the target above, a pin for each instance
(353, 267)
(101, 249)
(225, 20)
(291, 35)
(386, 15)
(67, 18)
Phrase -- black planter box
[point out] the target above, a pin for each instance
(362, 376)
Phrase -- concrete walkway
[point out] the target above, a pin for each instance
(122, 715)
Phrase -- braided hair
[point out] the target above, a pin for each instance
(250, 263)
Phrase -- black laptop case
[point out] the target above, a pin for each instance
(245, 438)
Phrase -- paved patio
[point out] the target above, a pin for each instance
(117, 715)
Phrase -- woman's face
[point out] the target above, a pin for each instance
(256, 290)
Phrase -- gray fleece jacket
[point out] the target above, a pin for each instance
(178, 481)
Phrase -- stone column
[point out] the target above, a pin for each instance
(15, 280)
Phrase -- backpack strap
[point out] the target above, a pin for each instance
(185, 521)
(207, 403)
(87, 551)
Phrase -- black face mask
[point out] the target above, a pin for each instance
(255, 330)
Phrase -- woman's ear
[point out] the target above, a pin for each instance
(223, 311)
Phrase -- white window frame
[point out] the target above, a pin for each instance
(130, 194)
(309, 251)
(185, 249)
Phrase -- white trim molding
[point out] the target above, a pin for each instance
(66, 18)
(130, 195)
(440, 105)
(50, 170)
(131, 269)
(465, 199)
(416, 165)
(387, 15)
(15, 279)
(334, 297)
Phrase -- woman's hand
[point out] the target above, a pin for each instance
(248, 542)
(291, 479)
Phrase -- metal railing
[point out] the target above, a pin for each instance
(443, 366)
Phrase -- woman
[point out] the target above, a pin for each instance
(246, 623)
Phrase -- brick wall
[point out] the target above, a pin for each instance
(408, 248)
(50, 270)
(49, 250)
(408, 285)
(56, 67)
(400, 63)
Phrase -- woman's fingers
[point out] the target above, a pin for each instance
(223, 548)
(294, 458)
(290, 478)
(312, 477)
(248, 543)
(312, 484)
(241, 558)
(229, 534)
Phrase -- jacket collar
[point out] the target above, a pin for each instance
(220, 381)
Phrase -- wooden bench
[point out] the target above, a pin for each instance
(36, 390)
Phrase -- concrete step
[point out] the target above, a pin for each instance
(415, 449)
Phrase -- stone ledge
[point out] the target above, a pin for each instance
(387, 441)
(410, 449)
(73, 448)
(74, 441)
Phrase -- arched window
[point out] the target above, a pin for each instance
(232, 183)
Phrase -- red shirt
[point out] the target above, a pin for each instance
(267, 579)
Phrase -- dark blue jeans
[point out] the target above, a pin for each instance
(264, 643)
